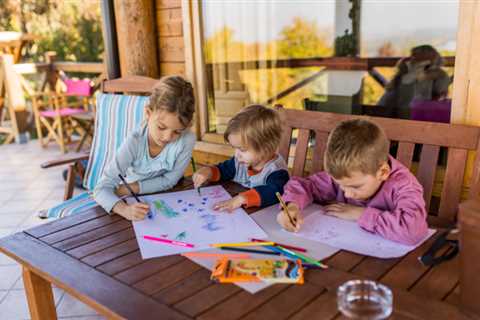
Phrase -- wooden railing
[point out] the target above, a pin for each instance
(328, 63)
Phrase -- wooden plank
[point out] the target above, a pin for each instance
(103, 243)
(319, 150)
(171, 68)
(330, 278)
(439, 281)
(409, 270)
(374, 268)
(415, 307)
(93, 235)
(242, 303)
(64, 223)
(405, 153)
(87, 67)
(122, 263)
(167, 277)
(171, 49)
(454, 296)
(207, 298)
(39, 295)
(322, 307)
(148, 268)
(452, 184)
(95, 289)
(169, 22)
(426, 171)
(300, 152)
(80, 229)
(284, 148)
(421, 132)
(192, 284)
(111, 253)
(286, 303)
(344, 260)
(166, 4)
(131, 84)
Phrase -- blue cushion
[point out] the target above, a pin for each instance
(75, 205)
(116, 117)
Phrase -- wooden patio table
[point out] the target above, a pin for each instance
(95, 258)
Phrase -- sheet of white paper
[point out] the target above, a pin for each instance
(266, 219)
(347, 235)
(188, 217)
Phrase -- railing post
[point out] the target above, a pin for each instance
(51, 76)
(469, 219)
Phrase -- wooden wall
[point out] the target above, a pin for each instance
(170, 37)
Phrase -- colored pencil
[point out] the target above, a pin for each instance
(295, 255)
(149, 214)
(285, 208)
(216, 255)
(250, 251)
(282, 245)
(171, 242)
(242, 244)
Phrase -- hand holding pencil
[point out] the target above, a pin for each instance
(290, 218)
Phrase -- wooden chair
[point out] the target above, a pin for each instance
(116, 113)
(58, 113)
(458, 139)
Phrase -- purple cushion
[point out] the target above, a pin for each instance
(431, 110)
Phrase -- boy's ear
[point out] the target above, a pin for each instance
(384, 172)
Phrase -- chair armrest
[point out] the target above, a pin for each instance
(65, 160)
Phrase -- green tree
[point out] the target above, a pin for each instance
(303, 39)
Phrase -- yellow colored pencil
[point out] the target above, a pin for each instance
(242, 244)
(285, 208)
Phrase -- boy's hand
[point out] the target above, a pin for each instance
(284, 221)
(133, 212)
(230, 205)
(344, 211)
(201, 176)
(123, 191)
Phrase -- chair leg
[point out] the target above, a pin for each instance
(61, 136)
(38, 124)
(69, 183)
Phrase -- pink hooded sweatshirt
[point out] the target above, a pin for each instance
(396, 211)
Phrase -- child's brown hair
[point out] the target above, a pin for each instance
(355, 145)
(174, 94)
(259, 127)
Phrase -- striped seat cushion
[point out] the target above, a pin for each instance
(75, 205)
(116, 117)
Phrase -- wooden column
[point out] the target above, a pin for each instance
(137, 37)
(466, 84)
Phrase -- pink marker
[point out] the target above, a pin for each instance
(172, 242)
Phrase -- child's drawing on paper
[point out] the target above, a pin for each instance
(211, 223)
(163, 208)
(181, 236)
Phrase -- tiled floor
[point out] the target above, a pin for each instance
(24, 189)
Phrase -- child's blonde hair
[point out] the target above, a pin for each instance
(174, 94)
(259, 127)
(355, 145)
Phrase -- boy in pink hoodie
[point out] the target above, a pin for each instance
(363, 183)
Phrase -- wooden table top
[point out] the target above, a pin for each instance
(95, 257)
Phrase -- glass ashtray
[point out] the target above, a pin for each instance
(364, 299)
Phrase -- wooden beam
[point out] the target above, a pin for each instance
(137, 37)
(88, 67)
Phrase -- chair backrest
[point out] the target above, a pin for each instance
(80, 87)
(117, 115)
(458, 139)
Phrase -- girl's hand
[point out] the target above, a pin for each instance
(133, 212)
(123, 191)
(201, 176)
(230, 205)
(344, 211)
(295, 214)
